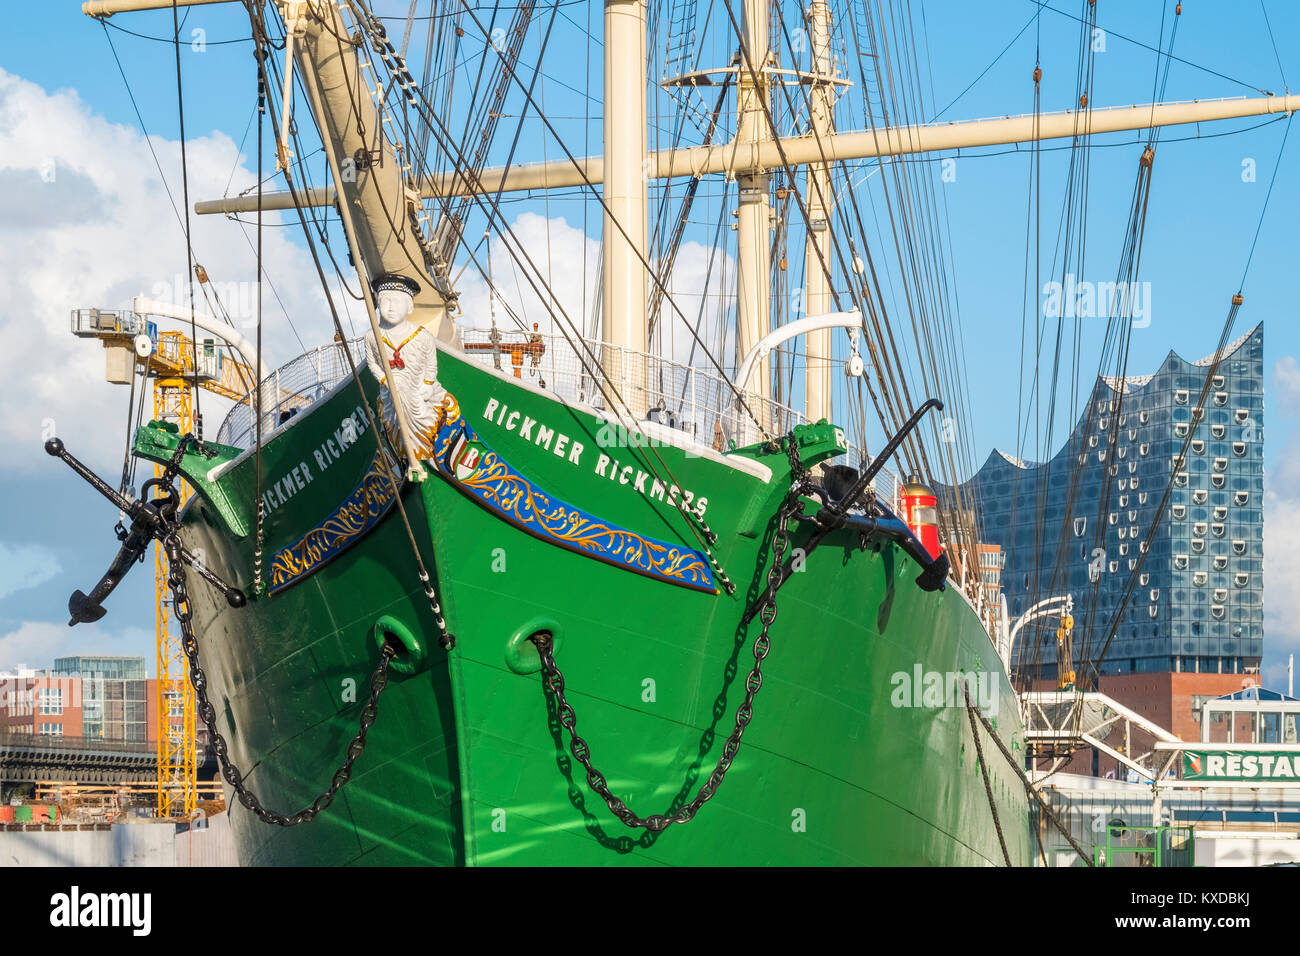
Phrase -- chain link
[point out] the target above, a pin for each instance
(581, 751)
(176, 581)
(378, 681)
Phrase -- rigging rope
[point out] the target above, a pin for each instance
(446, 639)
(190, 275)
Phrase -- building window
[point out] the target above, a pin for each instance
(51, 700)
(1198, 702)
(51, 730)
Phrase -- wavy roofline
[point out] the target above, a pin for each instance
(1130, 382)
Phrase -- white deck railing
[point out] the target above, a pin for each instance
(699, 402)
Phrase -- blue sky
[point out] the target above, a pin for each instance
(1200, 226)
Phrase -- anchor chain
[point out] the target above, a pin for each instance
(176, 581)
(190, 645)
(581, 751)
(155, 518)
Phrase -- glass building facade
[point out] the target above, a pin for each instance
(1185, 594)
(115, 667)
(114, 695)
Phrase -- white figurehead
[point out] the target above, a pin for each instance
(410, 372)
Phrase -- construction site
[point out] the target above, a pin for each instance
(100, 764)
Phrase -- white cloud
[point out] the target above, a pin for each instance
(1281, 595)
(84, 226)
(85, 221)
(562, 257)
(702, 286)
(37, 643)
(1281, 530)
(567, 262)
(25, 566)
(1285, 385)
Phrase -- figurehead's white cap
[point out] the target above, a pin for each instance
(396, 283)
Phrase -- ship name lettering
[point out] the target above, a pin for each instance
(281, 489)
(562, 446)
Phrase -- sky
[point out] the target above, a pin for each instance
(87, 220)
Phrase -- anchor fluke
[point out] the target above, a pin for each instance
(84, 609)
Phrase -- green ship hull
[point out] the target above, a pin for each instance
(467, 764)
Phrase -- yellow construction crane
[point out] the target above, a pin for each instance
(177, 365)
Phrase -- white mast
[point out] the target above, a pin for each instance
(821, 211)
(754, 214)
(626, 195)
